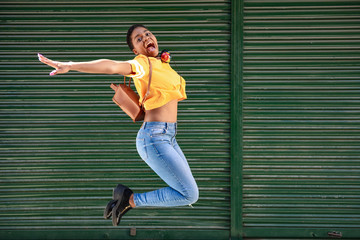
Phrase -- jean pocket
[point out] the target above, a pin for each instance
(140, 147)
(157, 131)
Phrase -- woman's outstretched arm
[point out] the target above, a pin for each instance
(103, 66)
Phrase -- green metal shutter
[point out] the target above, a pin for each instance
(65, 144)
(301, 105)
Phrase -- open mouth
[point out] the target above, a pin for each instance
(150, 46)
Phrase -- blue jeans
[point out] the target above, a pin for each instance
(157, 146)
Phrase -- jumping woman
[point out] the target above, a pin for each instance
(155, 141)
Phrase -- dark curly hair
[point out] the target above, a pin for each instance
(129, 32)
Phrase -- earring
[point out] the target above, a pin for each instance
(165, 56)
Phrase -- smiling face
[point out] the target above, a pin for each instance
(144, 42)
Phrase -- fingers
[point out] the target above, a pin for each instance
(114, 87)
(53, 73)
(47, 61)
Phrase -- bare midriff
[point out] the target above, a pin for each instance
(165, 113)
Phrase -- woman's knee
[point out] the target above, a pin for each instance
(193, 194)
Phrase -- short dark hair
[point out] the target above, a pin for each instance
(129, 32)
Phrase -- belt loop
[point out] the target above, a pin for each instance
(144, 125)
(166, 126)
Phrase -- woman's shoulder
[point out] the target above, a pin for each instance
(142, 57)
(144, 60)
(139, 60)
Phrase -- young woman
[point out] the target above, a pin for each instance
(155, 141)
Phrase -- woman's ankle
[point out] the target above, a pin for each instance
(131, 201)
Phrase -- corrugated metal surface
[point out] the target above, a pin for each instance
(64, 144)
(301, 99)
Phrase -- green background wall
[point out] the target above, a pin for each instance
(300, 119)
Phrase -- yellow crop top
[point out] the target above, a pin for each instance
(166, 83)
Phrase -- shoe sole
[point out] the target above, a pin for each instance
(108, 209)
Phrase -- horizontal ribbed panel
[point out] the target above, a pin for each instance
(301, 128)
(65, 144)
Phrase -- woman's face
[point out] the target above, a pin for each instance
(144, 42)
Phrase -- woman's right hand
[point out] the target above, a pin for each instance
(60, 67)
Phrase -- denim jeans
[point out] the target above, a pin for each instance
(157, 146)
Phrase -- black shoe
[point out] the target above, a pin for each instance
(122, 205)
(121, 196)
(118, 192)
(108, 209)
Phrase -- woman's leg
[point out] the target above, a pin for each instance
(157, 146)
